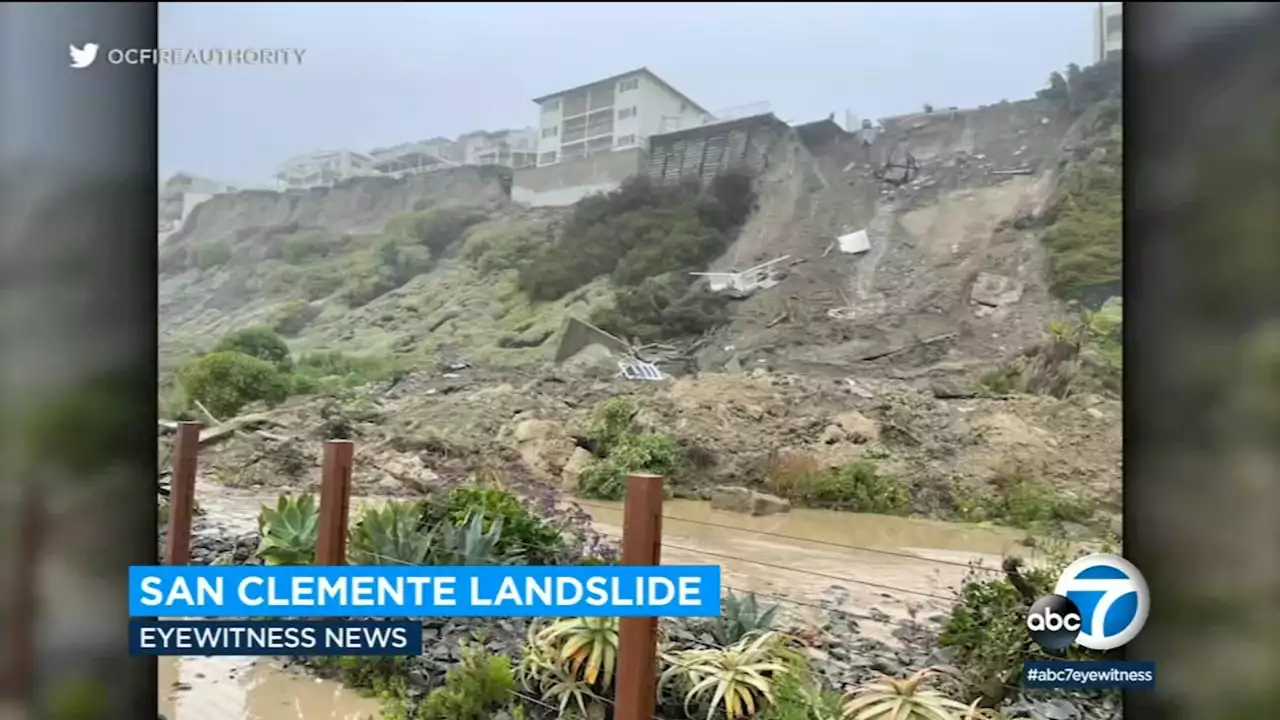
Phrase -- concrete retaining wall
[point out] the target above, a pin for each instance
(565, 183)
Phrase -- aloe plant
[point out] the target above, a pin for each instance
(469, 544)
(739, 679)
(589, 646)
(742, 616)
(905, 699)
(390, 536)
(289, 531)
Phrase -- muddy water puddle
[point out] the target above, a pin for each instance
(247, 688)
(810, 560)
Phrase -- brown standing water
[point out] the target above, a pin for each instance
(901, 567)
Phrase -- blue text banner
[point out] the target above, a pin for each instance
(224, 591)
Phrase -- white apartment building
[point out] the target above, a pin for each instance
(510, 148)
(323, 168)
(1108, 31)
(615, 113)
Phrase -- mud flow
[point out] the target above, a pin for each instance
(247, 688)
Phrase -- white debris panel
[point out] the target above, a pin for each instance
(762, 276)
(856, 242)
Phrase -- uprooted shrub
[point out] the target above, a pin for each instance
(624, 452)
(1084, 353)
(640, 230)
(662, 307)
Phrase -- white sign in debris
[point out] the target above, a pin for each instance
(856, 242)
(762, 276)
(639, 370)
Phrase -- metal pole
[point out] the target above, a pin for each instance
(182, 493)
(638, 637)
(335, 503)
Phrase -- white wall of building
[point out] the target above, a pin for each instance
(665, 111)
(1109, 31)
(641, 105)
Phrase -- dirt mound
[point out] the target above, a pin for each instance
(426, 430)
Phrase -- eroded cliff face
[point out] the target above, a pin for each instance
(357, 205)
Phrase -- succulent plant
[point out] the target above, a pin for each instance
(289, 531)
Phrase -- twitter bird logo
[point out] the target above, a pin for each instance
(83, 57)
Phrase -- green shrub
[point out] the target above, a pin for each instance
(309, 245)
(337, 369)
(638, 231)
(258, 341)
(395, 264)
(214, 254)
(662, 307)
(539, 542)
(506, 248)
(627, 452)
(611, 420)
(987, 628)
(294, 317)
(602, 480)
(647, 453)
(857, 488)
(477, 688)
(1020, 501)
(437, 229)
(227, 381)
(1085, 218)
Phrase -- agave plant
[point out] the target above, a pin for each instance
(469, 544)
(738, 679)
(289, 531)
(589, 646)
(742, 616)
(390, 536)
(905, 699)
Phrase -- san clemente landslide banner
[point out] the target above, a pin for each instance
(421, 591)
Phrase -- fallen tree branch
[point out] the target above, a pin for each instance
(910, 346)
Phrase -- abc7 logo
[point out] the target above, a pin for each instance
(1054, 622)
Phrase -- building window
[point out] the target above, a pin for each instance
(684, 107)
(625, 140)
(1115, 24)
(625, 113)
(547, 158)
(600, 144)
(628, 84)
(551, 106)
(550, 131)
(576, 150)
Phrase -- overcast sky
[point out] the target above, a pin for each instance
(378, 74)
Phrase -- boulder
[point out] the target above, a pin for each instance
(578, 461)
(544, 445)
(732, 498)
(857, 427)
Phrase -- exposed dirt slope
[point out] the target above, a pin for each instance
(930, 239)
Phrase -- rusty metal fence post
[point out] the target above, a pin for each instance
(335, 503)
(638, 637)
(182, 493)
